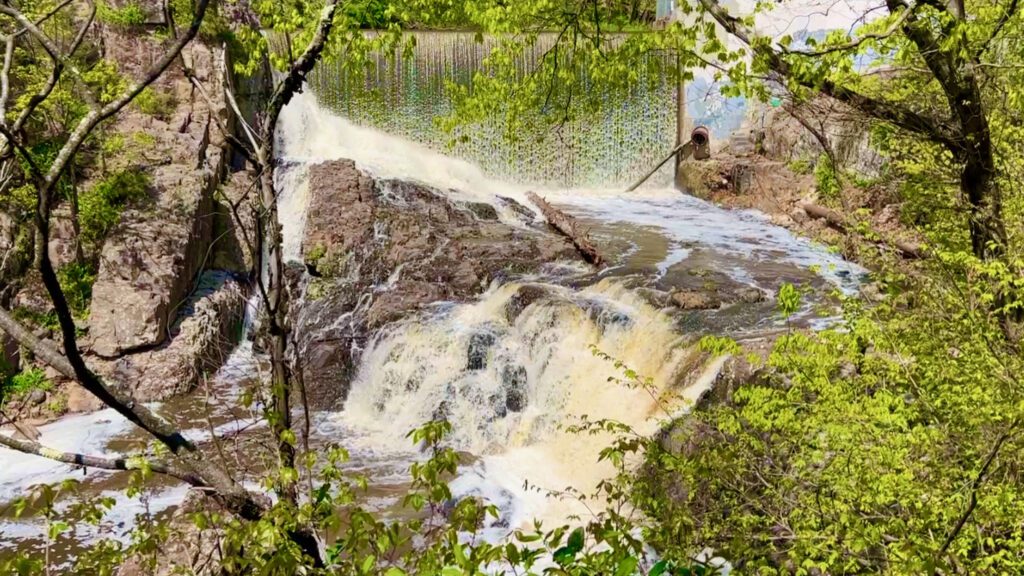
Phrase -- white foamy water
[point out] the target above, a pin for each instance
(510, 386)
(691, 222)
(310, 134)
(82, 434)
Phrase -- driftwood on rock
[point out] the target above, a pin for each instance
(837, 220)
(568, 226)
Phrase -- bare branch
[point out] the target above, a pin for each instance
(231, 139)
(5, 78)
(979, 479)
(274, 294)
(249, 132)
(852, 44)
(46, 16)
(55, 74)
(114, 395)
(104, 463)
(55, 53)
(1010, 11)
(91, 120)
(891, 112)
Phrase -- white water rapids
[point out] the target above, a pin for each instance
(534, 372)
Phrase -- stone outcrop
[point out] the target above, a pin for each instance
(148, 264)
(198, 342)
(782, 137)
(379, 250)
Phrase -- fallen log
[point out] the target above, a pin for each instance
(839, 222)
(568, 227)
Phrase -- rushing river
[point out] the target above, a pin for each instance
(654, 237)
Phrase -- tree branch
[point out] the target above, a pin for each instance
(91, 120)
(39, 97)
(5, 78)
(975, 485)
(104, 463)
(1010, 11)
(114, 396)
(274, 294)
(58, 57)
(46, 16)
(890, 112)
(855, 43)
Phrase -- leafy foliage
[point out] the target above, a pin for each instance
(20, 383)
(101, 206)
(131, 14)
(76, 279)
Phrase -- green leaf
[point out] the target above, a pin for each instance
(576, 540)
(626, 567)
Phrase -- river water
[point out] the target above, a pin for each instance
(539, 361)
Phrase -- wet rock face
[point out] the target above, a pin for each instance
(696, 300)
(526, 295)
(514, 380)
(148, 266)
(379, 250)
(479, 347)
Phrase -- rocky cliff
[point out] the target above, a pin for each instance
(378, 250)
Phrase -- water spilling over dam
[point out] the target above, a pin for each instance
(407, 96)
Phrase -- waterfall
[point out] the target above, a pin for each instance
(510, 374)
(513, 368)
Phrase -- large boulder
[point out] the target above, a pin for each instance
(780, 136)
(202, 337)
(378, 250)
(147, 267)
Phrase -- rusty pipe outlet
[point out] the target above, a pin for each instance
(701, 141)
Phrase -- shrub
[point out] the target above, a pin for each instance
(77, 279)
(131, 14)
(800, 166)
(100, 207)
(153, 103)
(825, 177)
(23, 382)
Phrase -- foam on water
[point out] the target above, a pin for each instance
(84, 434)
(511, 385)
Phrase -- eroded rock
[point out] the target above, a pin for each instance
(148, 264)
(696, 300)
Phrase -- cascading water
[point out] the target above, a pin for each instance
(511, 374)
(509, 371)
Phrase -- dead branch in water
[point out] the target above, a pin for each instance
(567, 226)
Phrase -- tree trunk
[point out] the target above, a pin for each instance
(568, 226)
(977, 179)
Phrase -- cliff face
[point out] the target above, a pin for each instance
(155, 318)
(151, 318)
